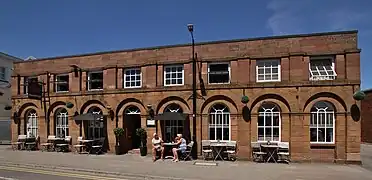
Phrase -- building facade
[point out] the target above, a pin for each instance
(6, 68)
(366, 122)
(300, 90)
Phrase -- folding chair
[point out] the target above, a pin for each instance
(19, 144)
(98, 147)
(257, 154)
(187, 154)
(48, 146)
(79, 146)
(231, 150)
(206, 149)
(283, 152)
(64, 147)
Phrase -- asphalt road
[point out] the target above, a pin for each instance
(16, 173)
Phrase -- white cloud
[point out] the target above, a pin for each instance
(304, 16)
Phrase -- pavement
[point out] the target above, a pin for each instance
(136, 167)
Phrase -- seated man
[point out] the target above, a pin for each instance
(181, 144)
(157, 146)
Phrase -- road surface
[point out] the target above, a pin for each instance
(19, 173)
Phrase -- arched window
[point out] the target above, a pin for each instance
(61, 123)
(32, 127)
(322, 123)
(132, 110)
(268, 124)
(173, 127)
(95, 128)
(219, 123)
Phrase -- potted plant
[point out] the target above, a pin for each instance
(119, 132)
(142, 134)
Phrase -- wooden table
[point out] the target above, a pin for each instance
(168, 146)
(272, 149)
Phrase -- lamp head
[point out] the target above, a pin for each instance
(190, 27)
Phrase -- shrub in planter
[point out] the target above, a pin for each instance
(119, 132)
(142, 134)
(359, 95)
(245, 99)
(69, 105)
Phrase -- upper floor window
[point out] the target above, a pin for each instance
(322, 68)
(268, 70)
(173, 75)
(62, 83)
(218, 73)
(2, 74)
(132, 78)
(95, 80)
(25, 83)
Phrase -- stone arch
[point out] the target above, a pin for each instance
(173, 99)
(55, 106)
(338, 103)
(120, 109)
(84, 108)
(281, 102)
(227, 101)
(25, 107)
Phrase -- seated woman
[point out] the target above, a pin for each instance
(157, 146)
(181, 143)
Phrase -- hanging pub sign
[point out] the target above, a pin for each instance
(150, 122)
(35, 89)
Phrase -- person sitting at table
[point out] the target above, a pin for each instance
(157, 146)
(181, 146)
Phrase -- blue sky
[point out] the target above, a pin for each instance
(42, 28)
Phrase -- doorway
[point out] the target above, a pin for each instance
(132, 121)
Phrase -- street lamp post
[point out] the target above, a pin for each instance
(190, 27)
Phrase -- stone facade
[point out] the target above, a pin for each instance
(294, 94)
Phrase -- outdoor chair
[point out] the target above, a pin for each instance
(64, 147)
(231, 150)
(19, 144)
(79, 146)
(48, 146)
(283, 152)
(98, 147)
(31, 143)
(187, 154)
(206, 149)
(257, 154)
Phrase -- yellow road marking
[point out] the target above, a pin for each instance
(37, 171)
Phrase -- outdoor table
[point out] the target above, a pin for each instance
(87, 143)
(55, 141)
(217, 148)
(168, 147)
(271, 150)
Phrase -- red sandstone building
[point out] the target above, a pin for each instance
(366, 107)
(300, 90)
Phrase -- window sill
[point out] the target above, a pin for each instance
(322, 146)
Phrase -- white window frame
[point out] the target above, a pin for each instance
(89, 73)
(322, 77)
(170, 67)
(316, 126)
(132, 110)
(271, 68)
(135, 75)
(273, 114)
(219, 123)
(174, 124)
(57, 82)
(3, 74)
(62, 124)
(228, 69)
(96, 127)
(32, 124)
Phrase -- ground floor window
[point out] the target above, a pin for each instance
(322, 123)
(219, 123)
(96, 128)
(32, 127)
(268, 123)
(61, 120)
(173, 127)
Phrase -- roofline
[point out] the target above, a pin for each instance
(369, 90)
(9, 57)
(200, 43)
